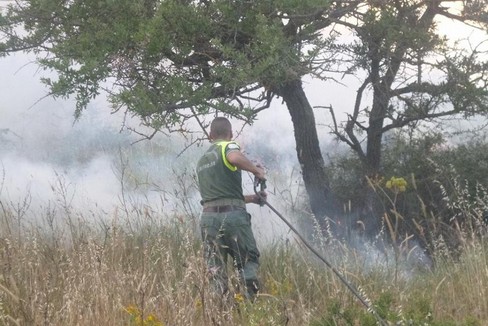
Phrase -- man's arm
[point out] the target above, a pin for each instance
(255, 199)
(236, 158)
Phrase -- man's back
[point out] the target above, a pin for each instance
(217, 178)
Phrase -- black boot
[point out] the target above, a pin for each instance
(252, 289)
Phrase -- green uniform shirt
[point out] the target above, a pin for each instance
(217, 178)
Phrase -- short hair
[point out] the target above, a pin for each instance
(220, 127)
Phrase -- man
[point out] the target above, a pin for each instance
(225, 223)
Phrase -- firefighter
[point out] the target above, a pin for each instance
(225, 223)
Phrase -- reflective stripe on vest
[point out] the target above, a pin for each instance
(223, 146)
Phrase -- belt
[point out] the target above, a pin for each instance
(222, 209)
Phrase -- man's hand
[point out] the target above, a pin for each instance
(261, 198)
(260, 173)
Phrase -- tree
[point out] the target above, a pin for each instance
(413, 73)
(171, 61)
(175, 60)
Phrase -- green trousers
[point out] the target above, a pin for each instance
(230, 234)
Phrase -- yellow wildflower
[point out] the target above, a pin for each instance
(138, 321)
(273, 288)
(132, 310)
(198, 304)
(152, 320)
(238, 297)
(136, 317)
(397, 184)
(288, 286)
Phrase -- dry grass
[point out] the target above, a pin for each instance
(137, 267)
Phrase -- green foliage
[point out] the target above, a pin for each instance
(420, 309)
(170, 61)
(397, 48)
(338, 314)
(469, 161)
(390, 32)
(162, 56)
(443, 181)
(417, 312)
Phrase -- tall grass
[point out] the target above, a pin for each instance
(137, 266)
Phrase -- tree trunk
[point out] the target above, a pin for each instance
(375, 135)
(308, 150)
(372, 210)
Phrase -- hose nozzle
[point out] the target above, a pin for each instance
(262, 186)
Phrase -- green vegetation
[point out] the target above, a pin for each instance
(145, 268)
(174, 64)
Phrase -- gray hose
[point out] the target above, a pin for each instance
(263, 201)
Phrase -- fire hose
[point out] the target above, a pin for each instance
(262, 184)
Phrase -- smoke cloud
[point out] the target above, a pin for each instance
(44, 152)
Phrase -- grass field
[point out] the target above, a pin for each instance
(134, 266)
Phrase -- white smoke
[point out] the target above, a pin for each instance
(41, 145)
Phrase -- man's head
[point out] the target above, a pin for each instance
(220, 128)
